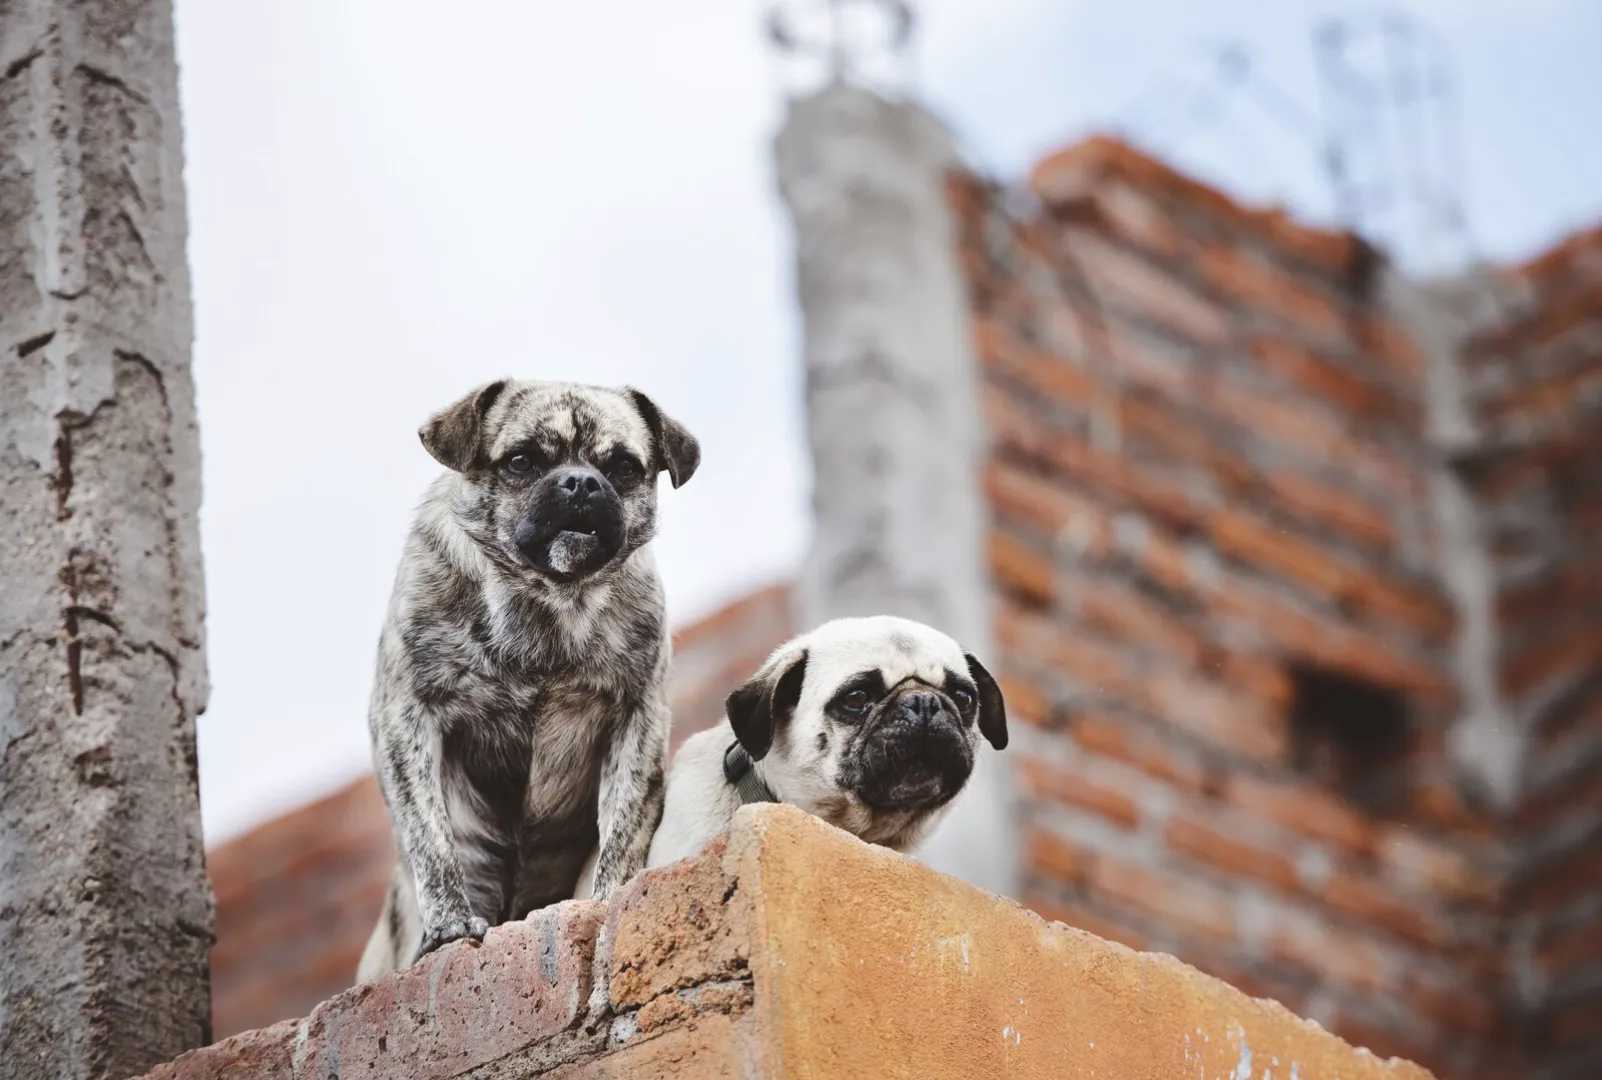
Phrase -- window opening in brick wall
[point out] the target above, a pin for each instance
(1348, 735)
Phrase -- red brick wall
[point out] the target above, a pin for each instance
(297, 896)
(1209, 486)
(720, 651)
(296, 899)
(1536, 388)
(1206, 476)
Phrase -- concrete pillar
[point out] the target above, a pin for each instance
(105, 912)
(897, 436)
(1487, 742)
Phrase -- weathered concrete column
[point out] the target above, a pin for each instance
(105, 911)
(1488, 742)
(892, 388)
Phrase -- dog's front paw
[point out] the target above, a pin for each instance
(471, 927)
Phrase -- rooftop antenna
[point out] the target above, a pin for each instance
(1183, 106)
(863, 43)
(1391, 149)
(1387, 144)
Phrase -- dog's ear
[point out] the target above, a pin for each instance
(455, 436)
(756, 708)
(678, 450)
(992, 710)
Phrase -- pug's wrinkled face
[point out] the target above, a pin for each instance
(561, 477)
(872, 723)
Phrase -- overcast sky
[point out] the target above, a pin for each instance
(391, 202)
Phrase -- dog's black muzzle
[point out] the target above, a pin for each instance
(915, 755)
(574, 524)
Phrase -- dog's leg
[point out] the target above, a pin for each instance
(631, 795)
(407, 738)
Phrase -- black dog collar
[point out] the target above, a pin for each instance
(738, 771)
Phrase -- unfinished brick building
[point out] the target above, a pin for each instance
(1234, 595)
(1299, 607)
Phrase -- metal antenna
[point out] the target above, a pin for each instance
(859, 42)
(1391, 153)
(1387, 146)
(1178, 109)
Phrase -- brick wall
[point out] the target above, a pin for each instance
(746, 962)
(296, 899)
(720, 651)
(1223, 615)
(1203, 482)
(297, 896)
(1535, 388)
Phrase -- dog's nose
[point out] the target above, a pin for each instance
(922, 706)
(578, 484)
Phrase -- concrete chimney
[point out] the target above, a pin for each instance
(897, 440)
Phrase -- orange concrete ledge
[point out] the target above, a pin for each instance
(794, 951)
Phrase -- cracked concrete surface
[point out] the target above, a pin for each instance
(105, 912)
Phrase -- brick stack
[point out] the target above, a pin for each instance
(1534, 383)
(1219, 602)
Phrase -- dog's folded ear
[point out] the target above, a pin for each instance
(677, 450)
(455, 435)
(992, 709)
(767, 697)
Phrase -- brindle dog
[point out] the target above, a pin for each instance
(519, 716)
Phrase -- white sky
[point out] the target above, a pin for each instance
(391, 202)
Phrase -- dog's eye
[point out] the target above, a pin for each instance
(519, 464)
(855, 702)
(623, 471)
(963, 699)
